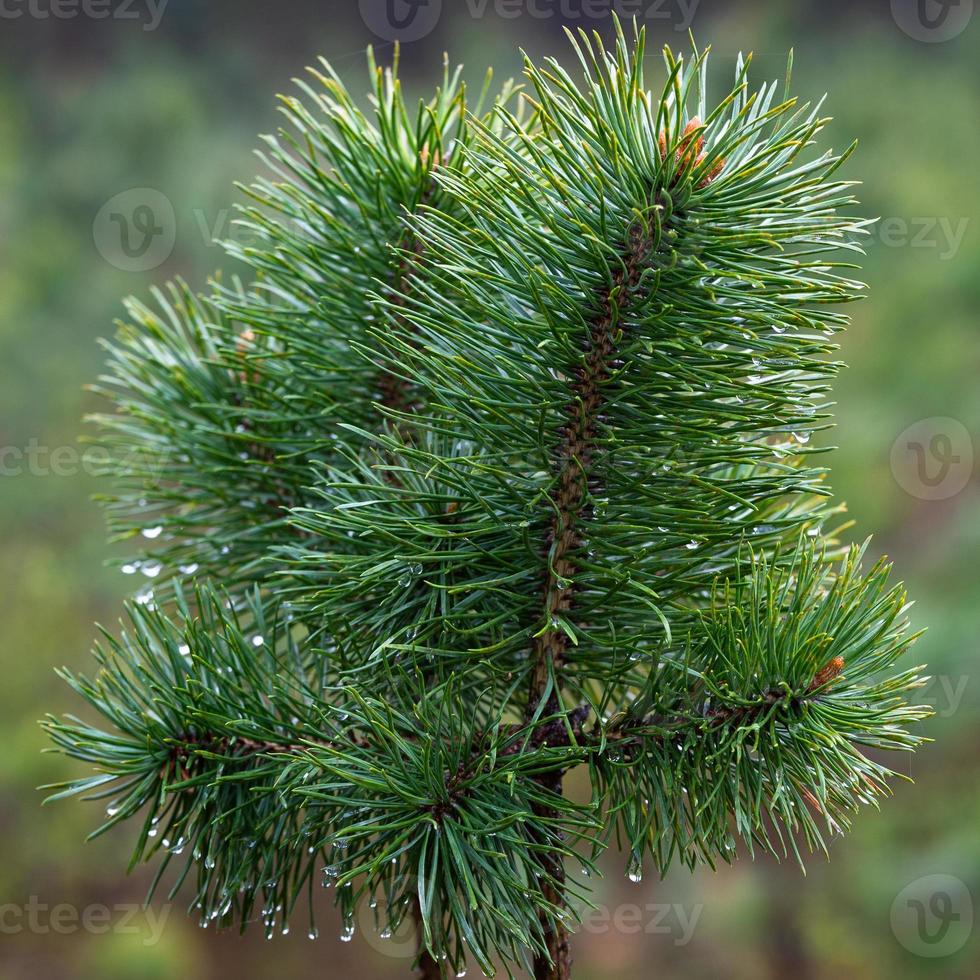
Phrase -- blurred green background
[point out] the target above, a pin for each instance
(98, 99)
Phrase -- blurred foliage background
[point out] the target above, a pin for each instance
(96, 99)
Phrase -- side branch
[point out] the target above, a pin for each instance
(566, 731)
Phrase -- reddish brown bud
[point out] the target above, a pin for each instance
(690, 147)
(827, 673)
(716, 169)
(690, 154)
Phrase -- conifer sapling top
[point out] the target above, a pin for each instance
(500, 467)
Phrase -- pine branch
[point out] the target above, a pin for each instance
(575, 456)
(526, 405)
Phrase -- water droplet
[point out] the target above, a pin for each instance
(130, 568)
(151, 569)
(189, 569)
(691, 545)
(152, 532)
(347, 933)
(802, 437)
(184, 650)
(635, 872)
(409, 575)
(257, 640)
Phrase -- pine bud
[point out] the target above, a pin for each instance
(826, 674)
(690, 154)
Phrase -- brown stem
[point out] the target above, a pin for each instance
(575, 457)
(556, 963)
